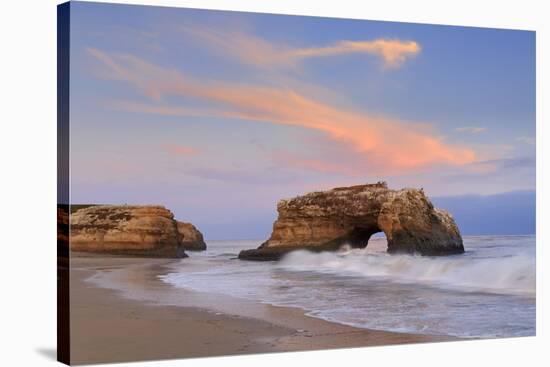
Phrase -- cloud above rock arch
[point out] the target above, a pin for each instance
(384, 143)
(258, 52)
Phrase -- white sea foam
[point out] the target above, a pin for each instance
(507, 275)
(486, 292)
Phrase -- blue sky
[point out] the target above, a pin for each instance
(218, 115)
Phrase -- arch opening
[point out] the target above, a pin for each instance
(359, 237)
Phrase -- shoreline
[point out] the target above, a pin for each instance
(122, 312)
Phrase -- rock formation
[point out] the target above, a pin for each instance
(138, 230)
(190, 237)
(326, 220)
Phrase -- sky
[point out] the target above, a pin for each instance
(219, 115)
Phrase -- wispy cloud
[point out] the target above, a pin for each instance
(157, 109)
(471, 129)
(258, 52)
(526, 139)
(489, 169)
(392, 51)
(387, 143)
(321, 165)
(180, 150)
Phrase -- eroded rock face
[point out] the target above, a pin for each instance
(190, 237)
(351, 215)
(138, 230)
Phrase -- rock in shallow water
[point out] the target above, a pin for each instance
(137, 230)
(190, 237)
(325, 220)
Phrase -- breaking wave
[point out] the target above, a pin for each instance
(514, 274)
(489, 291)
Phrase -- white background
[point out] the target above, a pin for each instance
(28, 181)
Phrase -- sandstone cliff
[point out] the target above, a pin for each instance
(190, 237)
(138, 230)
(351, 215)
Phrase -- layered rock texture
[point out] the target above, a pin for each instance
(326, 220)
(137, 230)
(190, 237)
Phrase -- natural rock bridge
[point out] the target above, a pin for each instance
(326, 220)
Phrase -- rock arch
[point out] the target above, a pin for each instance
(325, 220)
(359, 237)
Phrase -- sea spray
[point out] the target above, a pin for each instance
(486, 292)
(508, 275)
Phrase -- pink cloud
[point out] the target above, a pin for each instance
(387, 143)
(313, 164)
(393, 52)
(181, 150)
(256, 51)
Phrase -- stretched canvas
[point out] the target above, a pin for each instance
(234, 183)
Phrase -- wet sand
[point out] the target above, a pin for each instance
(121, 312)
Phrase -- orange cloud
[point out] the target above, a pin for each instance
(395, 145)
(181, 150)
(332, 165)
(258, 52)
(393, 52)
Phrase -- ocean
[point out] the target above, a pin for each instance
(489, 291)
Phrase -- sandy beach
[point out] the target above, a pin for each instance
(121, 311)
